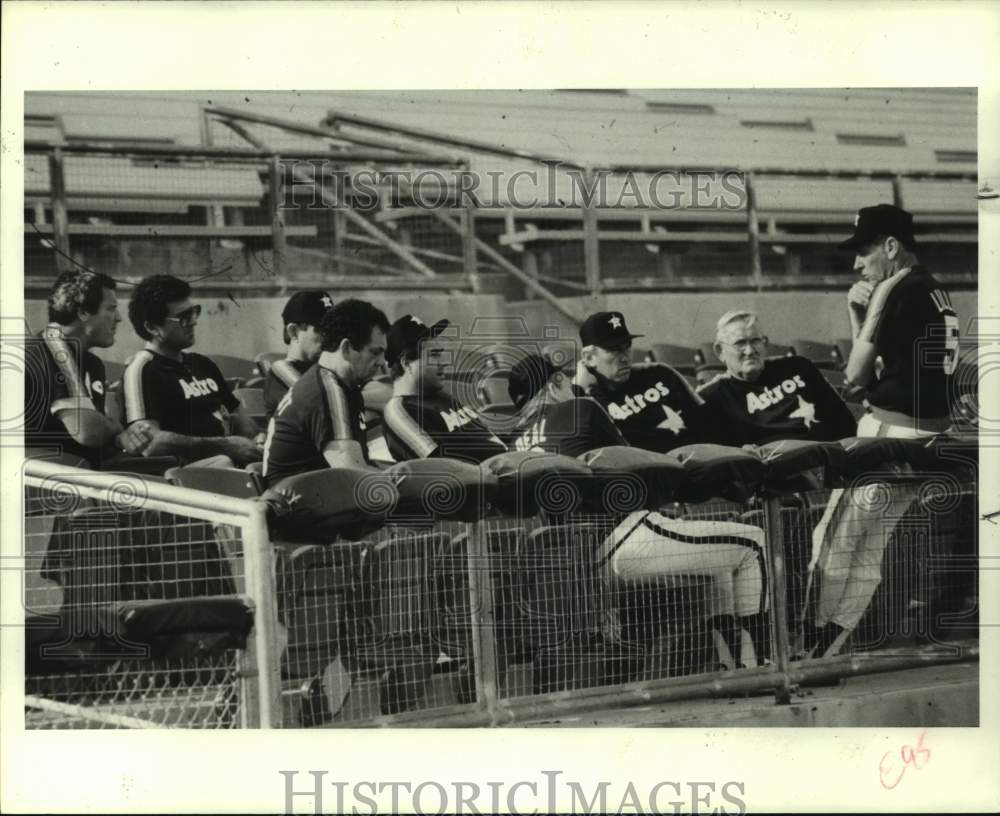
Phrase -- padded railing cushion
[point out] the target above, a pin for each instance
(438, 489)
(532, 481)
(718, 471)
(322, 505)
(792, 461)
(633, 478)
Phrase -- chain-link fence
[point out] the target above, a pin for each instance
(140, 599)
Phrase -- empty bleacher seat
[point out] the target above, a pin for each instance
(252, 400)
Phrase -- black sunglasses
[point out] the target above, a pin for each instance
(187, 317)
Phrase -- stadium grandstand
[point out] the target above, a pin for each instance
(515, 215)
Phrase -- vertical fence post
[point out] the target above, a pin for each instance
(753, 233)
(470, 263)
(60, 216)
(276, 189)
(591, 244)
(261, 587)
(897, 191)
(777, 587)
(481, 601)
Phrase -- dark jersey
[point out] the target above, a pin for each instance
(188, 397)
(570, 427)
(59, 376)
(320, 408)
(656, 409)
(790, 400)
(417, 427)
(282, 375)
(914, 329)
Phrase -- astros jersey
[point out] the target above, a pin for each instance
(417, 427)
(790, 400)
(656, 409)
(914, 329)
(570, 427)
(59, 375)
(282, 375)
(320, 408)
(187, 397)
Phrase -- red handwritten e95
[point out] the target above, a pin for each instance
(892, 767)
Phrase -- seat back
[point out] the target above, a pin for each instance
(821, 355)
(681, 358)
(265, 360)
(252, 400)
(234, 368)
(232, 482)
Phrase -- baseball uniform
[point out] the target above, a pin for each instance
(789, 400)
(320, 408)
(421, 426)
(282, 375)
(59, 375)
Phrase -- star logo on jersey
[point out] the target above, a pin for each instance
(327, 301)
(806, 412)
(616, 322)
(673, 422)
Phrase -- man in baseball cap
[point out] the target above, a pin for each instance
(652, 405)
(300, 330)
(422, 419)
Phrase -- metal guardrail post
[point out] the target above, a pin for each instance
(60, 215)
(777, 590)
(591, 245)
(897, 191)
(276, 190)
(470, 263)
(262, 588)
(753, 233)
(481, 601)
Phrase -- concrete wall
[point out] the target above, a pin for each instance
(254, 325)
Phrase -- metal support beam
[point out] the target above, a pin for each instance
(60, 216)
(276, 191)
(753, 233)
(591, 243)
(329, 199)
(508, 267)
(469, 261)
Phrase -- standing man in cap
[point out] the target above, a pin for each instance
(320, 421)
(421, 419)
(301, 318)
(904, 327)
(653, 405)
(905, 350)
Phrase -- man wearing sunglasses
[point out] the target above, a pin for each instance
(181, 395)
(765, 400)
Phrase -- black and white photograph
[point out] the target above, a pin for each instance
(559, 410)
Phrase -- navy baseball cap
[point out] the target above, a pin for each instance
(528, 376)
(882, 220)
(407, 332)
(307, 307)
(606, 329)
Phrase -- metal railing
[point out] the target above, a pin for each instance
(498, 621)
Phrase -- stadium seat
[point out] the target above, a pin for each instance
(232, 482)
(253, 401)
(681, 358)
(779, 350)
(641, 355)
(113, 371)
(842, 350)
(265, 360)
(114, 405)
(234, 368)
(821, 355)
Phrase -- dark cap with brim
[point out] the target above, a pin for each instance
(606, 329)
(528, 376)
(407, 333)
(880, 221)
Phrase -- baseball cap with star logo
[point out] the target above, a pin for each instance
(307, 307)
(882, 220)
(407, 332)
(606, 329)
